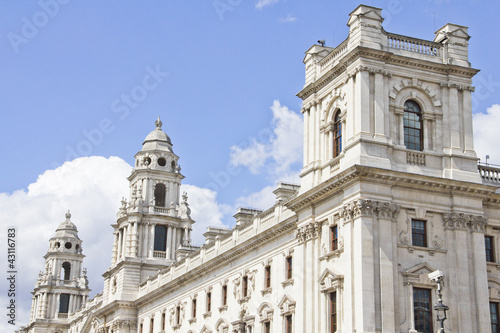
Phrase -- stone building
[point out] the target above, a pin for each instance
(390, 191)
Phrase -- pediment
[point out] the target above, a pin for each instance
(287, 304)
(423, 268)
(329, 280)
(419, 274)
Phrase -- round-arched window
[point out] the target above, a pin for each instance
(412, 124)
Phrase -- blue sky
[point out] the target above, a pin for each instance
(221, 74)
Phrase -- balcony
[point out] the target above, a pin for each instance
(490, 173)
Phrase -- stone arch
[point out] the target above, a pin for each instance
(335, 101)
(416, 90)
(265, 311)
(205, 329)
(160, 194)
(66, 271)
(222, 325)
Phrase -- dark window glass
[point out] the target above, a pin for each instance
(289, 267)
(209, 302)
(67, 270)
(412, 124)
(422, 310)
(418, 233)
(334, 238)
(224, 295)
(152, 326)
(337, 135)
(178, 315)
(245, 286)
(288, 324)
(268, 277)
(63, 303)
(267, 327)
(333, 312)
(488, 243)
(160, 238)
(495, 325)
(160, 191)
(194, 307)
(163, 321)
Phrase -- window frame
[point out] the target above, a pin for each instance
(337, 134)
(64, 306)
(224, 295)
(416, 231)
(266, 326)
(160, 244)
(267, 276)
(209, 301)
(332, 311)
(418, 313)
(409, 115)
(490, 250)
(289, 267)
(334, 238)
(244, 285)
(193, 307)
(160, 195)
(288, 323)
(152, 325)
(495, 326)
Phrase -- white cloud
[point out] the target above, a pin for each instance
(288, 19)
(204, 210)
(263, 199)
(264, 3)
(277, 151)
(91, 187)
(486, 134)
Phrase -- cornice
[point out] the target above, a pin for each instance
(113, 307)
(388, 58)
(220, 260)
(397, 178)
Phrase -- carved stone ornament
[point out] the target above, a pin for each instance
(362, 207)
(460, 221)
(308, 231)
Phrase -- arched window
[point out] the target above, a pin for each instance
(160, 190)
(337, 134)
(66, 266)
(412, 123)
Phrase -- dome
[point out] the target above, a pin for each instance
(157, 139)
(67, 228)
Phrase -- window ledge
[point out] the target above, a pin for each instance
(266, 291)
(192, 320)
(223, 308)
(176, 327)
(207, 314)
(243, 299)
(286, 283)
(493, 264)
(335, 253)
(412, 248)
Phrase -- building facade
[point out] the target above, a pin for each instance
(390, 191)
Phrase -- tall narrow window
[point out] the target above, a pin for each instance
(422, 309)
(267, 327)
(334, 238)
(178, 315)
(224, 294)
(209, 301)
(152, 325)
(245, 286)
(412, 124)
(288, 323)
(63, 303)
(332, 298)
(488, 244)
(160, 238)
(267, 282)
(495, 324)
(337, 134)
(163, 321)
(140, 328)
(418, 233)
(193, 306)
(66, 266)
(289, 267)
(160, 191)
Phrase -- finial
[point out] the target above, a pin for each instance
(184, 196)
(158, 123)
(68, 215)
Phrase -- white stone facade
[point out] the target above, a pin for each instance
(371, 218)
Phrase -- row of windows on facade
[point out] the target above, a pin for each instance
(412, 127)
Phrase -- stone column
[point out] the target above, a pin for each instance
(455, 120)
(306, 137)
(174, 243)
(151, 235)
(379, 105)
(479, 271)
(120, 243)
(169, 242)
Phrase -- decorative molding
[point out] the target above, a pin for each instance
(461, 221)
(370, 208)
(307, 232)
(457, 86)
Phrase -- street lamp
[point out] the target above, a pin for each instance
(440, 308)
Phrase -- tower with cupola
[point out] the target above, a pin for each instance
(62, 288)
(153, 227)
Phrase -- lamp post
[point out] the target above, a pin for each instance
(440, 308)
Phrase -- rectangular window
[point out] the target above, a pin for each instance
(209, 301)
(267, 327)
(224, 295)
(488, 244)
(332, 297)
(495, 325)
(422, 309)
(160, 238)
(178, 315)
(418, 233)
(334, 238)
(152, 326)
(63, 303)
(140, 328)
(288, 323)
(267, 282)
(193, 305)
(163, 321)
(289, 267)
(245, 286)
